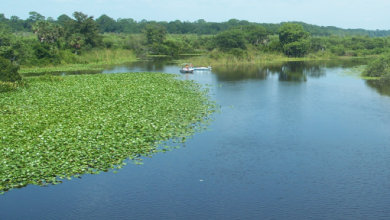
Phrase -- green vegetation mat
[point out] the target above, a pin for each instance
(60, 127)
(73, 67)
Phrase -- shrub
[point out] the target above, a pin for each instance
(68, 57)
(378, 67)
(8, 71)
(238, 53)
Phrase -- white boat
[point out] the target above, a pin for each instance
(186, 70)
(202, 68)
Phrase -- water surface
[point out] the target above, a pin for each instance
(293, 141)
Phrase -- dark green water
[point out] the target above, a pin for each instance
(294, 141)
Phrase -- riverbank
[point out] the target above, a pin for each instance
(217, 58)
(59, 127)
(91, 60)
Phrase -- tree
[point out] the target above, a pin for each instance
(174, 47)
(12, 47)
(50, 19)
(47, 32)
(62, 19)
(378, 67)
(106, 24)
(294, 39)
(86, 26)
(201, 21)
(35, 16)
(5, 42)
(127, 25)
(2, 17)
(254, 34)
(76, 41)
(14, 18)
(8, 72)
(155, 33)
(231, 39)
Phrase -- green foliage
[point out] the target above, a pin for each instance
(174, 47)
(297, 49)
(231, 39)
(274, 44)
(45, 55)
(76, 41)
(294, 39)
(254, 34)
(290, 33)
(378, 67)
(83, 25)
(155, 34)
(5, 41)
(82, 34)
(62, 68)
(35, 16)
(7, 86)
(64, 126)
(199, 27)
(106, 24)
(8, 71)
(62, 19)
(14, 48)
(47, 32)
(238, 53)
(90, 60)
(339, 50)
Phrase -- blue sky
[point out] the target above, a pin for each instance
(367, 14)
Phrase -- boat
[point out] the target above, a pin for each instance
(202, 68)
(186, 68)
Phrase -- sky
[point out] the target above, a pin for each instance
(366, 14)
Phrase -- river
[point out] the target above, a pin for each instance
(299, 140)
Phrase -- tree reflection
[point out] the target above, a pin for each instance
(382, 87)
(287, 71)
(292, 71)
(240, 72)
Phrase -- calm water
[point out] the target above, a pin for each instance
(293, 141)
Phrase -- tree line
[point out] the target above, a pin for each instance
(201, 27)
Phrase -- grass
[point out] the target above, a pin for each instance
(108, 56)
(216, 58)
(60, 127)
(91, 60)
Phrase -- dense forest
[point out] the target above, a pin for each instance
(130, 26)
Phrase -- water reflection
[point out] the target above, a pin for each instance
(240, 72)
(382, 87)
(289, 71)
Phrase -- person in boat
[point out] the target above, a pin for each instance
(187, 67)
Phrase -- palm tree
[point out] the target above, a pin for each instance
(47, 32)
(76, 41)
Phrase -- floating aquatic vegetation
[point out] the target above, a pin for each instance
(60, 127)
(71, 67)
(356, 72)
